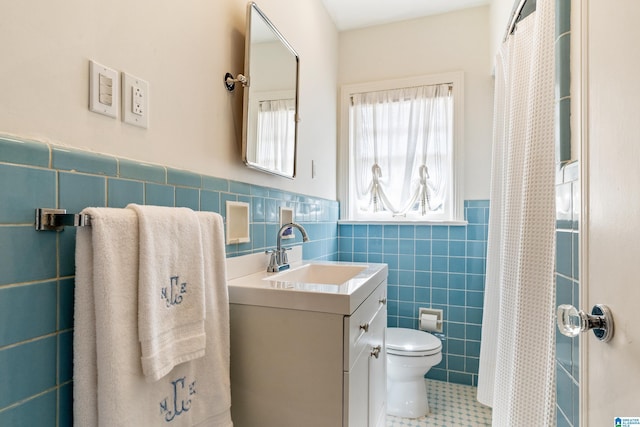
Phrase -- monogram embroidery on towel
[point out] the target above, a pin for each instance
(173, 294)
(180, 399)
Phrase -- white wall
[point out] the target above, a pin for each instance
(183, 50)
(448, 42)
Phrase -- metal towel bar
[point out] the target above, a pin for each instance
(55, 219)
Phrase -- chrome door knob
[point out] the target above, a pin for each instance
(571, 321)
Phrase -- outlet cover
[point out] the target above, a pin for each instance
(135, 101)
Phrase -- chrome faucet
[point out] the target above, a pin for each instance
(279, 260)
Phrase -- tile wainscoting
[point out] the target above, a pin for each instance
(438, 266)
(37, 268)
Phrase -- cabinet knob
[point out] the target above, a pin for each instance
(383, 300)
(365, 327)
(375, 351)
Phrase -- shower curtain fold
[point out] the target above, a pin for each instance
(517, 357)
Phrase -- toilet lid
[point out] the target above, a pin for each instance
(411, 342)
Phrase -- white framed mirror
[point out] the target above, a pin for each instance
(269, 132)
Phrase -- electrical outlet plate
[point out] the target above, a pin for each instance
(135, 101)
(104, 90)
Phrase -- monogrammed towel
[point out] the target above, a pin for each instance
(171, 304)
(110, 388)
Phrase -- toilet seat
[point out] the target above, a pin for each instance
(411, 342)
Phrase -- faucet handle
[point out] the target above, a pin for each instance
(284, 259)
(273, 261)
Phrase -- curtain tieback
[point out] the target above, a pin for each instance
(424, 194)
(376, 172)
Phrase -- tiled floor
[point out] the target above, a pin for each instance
(452, 405)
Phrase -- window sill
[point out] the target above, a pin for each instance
(402, 222)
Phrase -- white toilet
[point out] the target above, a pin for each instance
(410, 354)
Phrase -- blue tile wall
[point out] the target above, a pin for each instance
(567, 292)
(37, 268)
(438, 266)
(567, 226)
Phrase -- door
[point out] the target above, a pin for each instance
(366, 381)
(610, 383)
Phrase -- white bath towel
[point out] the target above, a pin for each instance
(109, 386)
(215, 386)
(170, 288)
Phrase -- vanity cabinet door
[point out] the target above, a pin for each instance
(357, 384)
(378, 370)
(366, 378)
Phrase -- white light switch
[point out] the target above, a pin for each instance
(103, 90)
(135, 101)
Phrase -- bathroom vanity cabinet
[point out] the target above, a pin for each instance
(301, 367)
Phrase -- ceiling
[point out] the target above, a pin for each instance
(352, 14)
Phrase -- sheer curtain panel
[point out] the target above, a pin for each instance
(401, 149)
(276, 134)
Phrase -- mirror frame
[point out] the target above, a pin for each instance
(252, 7)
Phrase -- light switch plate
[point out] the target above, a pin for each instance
(135, 101)
(104, 90)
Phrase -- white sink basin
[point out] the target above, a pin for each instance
(324, 286)
(326, 274)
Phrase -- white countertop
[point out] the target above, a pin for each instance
(257, 289)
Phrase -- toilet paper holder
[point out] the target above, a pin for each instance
(430, 319)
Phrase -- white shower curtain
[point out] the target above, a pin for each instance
(517, 357)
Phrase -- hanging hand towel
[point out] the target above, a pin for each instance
(171, 304)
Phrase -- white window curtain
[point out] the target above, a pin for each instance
(401, 142)
(276, 134)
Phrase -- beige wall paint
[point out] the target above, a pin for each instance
(431, 45)
(183, 50)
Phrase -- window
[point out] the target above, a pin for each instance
(400, 155)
